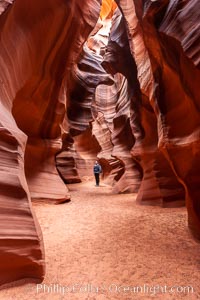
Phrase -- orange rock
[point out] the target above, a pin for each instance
(35, 57)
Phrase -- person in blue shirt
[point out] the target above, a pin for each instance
(97, 171)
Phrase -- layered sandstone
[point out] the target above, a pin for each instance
(65, 161)
(101, 100)
(163, 40)
(35, 57)
(131, 99)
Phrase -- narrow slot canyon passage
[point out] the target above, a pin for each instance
(108, 81)
(100, 242)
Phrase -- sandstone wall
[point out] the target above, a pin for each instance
(38, 47)
(101, 100)
(163, 39)
(131, 98)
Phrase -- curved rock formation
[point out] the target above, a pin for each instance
(177, 96)
(163, 40)
(102, 101)
(21, 247)
(131, 98)
(35, 57)
(65, 161)
(155, 187)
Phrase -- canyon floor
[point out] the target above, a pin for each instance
(102, 246)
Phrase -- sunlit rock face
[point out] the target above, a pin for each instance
(4, 4)
(163, 40)
(159, 184)
(100, 104)
(35, 64)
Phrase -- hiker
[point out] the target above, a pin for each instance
(97, 171)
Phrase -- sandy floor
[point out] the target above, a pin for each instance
(102, 246)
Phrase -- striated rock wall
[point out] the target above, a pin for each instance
(35, 60)
(65, 161)
(158, 186)
(101, 100)
(164, 43)
(41, 97)
(176, 70)
(132, 99)
(21, 246)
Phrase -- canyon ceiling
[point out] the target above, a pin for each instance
(78, 81)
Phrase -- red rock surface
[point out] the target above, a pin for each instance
(4, 4)
(102, 102)
(123, 88)
(163, 40)
(34, 59)
(65, 161)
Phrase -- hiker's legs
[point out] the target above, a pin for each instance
(96, 178)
